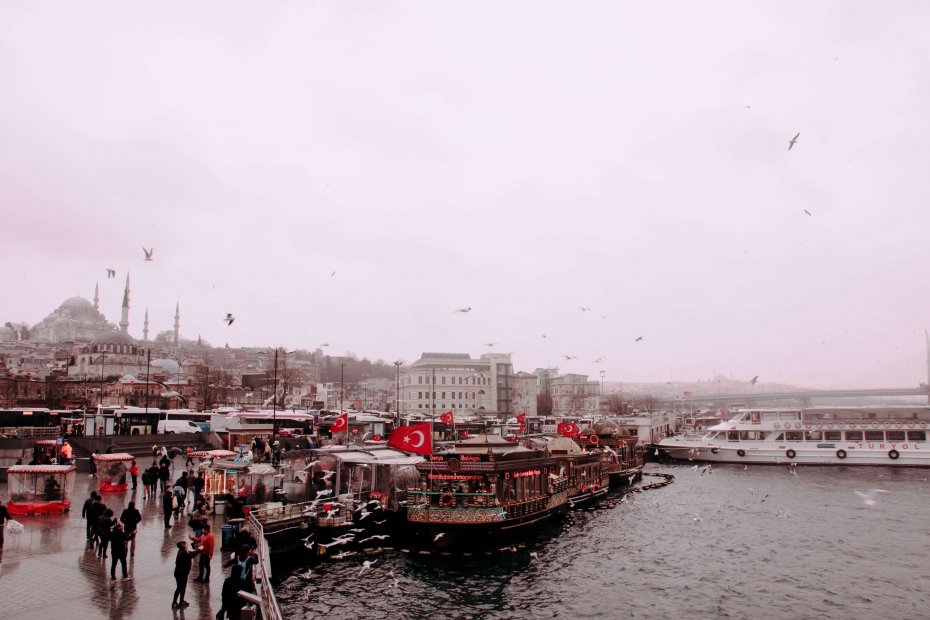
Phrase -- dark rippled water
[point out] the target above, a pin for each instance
(703, 547)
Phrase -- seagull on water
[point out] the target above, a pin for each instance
(868, 498)
(793, 140)
(148, 253)
(229, 319)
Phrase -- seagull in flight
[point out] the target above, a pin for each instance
(638, 338)
(754, 380)
(542, 335)
(438, 536)
(365, 566)
(585, 309)
(807, 212)
(325, 344)
(868, 498)
(148, 253)
(793, 140)
(111, 273)
(229, 319)
(490, 344)
(569, 357)
(332, 274)
(463, 310)
(600, 360)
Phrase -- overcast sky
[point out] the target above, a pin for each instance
(524, 159)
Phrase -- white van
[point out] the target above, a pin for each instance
(177, 426)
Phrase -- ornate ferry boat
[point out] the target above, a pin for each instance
(484, 491)
(622, 455)
(895, 436)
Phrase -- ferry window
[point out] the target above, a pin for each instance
(732, 435)
(895, 435)
(917, 435)
(769, 415)
(874, 435)
(794, 436)
(750, 435)
(787, 415)
(833, 435)
(755, 417)
(814, 435)
(781, 437)
(853, 435)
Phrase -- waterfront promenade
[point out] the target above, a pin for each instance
(50, 572)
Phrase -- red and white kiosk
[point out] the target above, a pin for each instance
(40, 489)
(113, 470)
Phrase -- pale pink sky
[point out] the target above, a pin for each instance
(522, 158)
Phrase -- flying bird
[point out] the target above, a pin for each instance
(332, 274)
(365, 566)
(111, 273)
(807, 212)
(793, 140)
(229, 319)
(542, 335)
(585, 309)
(148, 253)
(600, 360)
(754, 380)
(490, 344)
(638, 338)
(466, 309)
(569, 357)
(325, 344)
(438, 536)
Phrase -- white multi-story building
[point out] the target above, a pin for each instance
(439, 382)
(571, 393)
(525, 391)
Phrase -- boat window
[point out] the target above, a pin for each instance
(732, 435)
(755, 417)
(895, 435)
(780, 437)
(788, 415)
(853, 435)
(833, 435)
(769, 415)
(917, 435)
(874, 435)
(794, 436)
(814, 435)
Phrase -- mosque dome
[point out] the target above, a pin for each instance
(6, 334)
(166, 366)
(605, 427)
(114, 337)
(77, 305)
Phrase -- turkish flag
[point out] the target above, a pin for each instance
(341, 423)
(568, 429)
(414, 438)
(521, 418)
(447, 417)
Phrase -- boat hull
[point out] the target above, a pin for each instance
(839, 453)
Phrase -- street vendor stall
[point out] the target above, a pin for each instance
(113, 470)
(252, 482)
(40, 489)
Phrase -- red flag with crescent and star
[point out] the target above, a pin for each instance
(447, 417)
(414, 438)
(568, 429)
(341, 423)
(521, 418)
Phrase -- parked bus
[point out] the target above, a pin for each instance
(200, 418)
(29, 422)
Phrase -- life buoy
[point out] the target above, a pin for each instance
(830, 425)
(447, 500)
(841, 454)
(740, 452)
(893, 454)
(376, 437)
(594, 439)
(715, 450)
(807, 425)
(797, 425)
(594, 488)
(790, 453)
(777, 425)
(581, 487)
(910, 425)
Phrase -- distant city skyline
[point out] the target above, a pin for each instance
(609, 182)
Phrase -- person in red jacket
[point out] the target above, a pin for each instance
(134, 472)
(205, 543)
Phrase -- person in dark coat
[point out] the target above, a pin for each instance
(118, 550)
(92, 465)
(94, 512)
(130, 518)
(104, 525)
(4, 515)
(164, 474)
(182, 569)
(232, 602)
(166, 506)
(87, 504)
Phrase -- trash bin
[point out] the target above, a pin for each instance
(219, 507)
(229, 535)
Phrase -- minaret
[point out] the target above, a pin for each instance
(97, 297)
(145, 326)
(124, 317)
(177, 321)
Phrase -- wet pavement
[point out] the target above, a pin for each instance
(49, 571)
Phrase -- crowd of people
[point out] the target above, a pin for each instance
(114, 538)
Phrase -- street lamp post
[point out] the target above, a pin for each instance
(274, 397)
(603, 372)
(342, 385)
(397, 366)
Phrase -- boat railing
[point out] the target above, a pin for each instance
(436, 499)
(269, 604)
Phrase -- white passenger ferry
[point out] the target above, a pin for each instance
(818, 436)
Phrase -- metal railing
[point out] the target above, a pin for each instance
(269, 605)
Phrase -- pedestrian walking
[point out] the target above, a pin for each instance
(206, 544)
(182, 569)
(87, 504)
(94, 512)
(92, 465)
(118, 550)
(178, 502)
(167, 508)
(153, 481)
(130, 518)
(164, 474)
(104, 529)
(4, 515)
(134, 472)
(190, 457)
(197, 484)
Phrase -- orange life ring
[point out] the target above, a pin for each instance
(447, 500)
